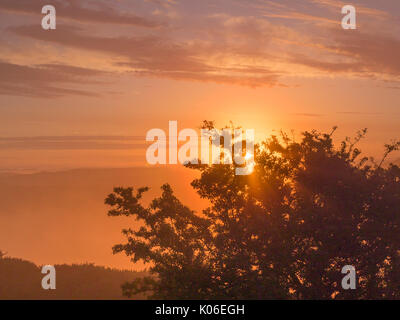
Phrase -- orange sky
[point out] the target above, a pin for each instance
(84, 95)
(120, 68)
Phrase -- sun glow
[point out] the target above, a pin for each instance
(248, 156)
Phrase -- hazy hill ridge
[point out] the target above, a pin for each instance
(21, 279)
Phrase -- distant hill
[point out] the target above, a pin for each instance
(20, 279)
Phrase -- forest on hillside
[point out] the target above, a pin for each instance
(21, 279)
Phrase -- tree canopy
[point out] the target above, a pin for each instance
(283, 232)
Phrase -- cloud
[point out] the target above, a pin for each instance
(336, 4)
(73, 143)
(94, 12)
(301, 16)
(312, 115)
(355, 53)
(43, 80)
(327, 66)
(158, 56)
(246, 48)
(163, 3)
(378, 53)
(360, 113)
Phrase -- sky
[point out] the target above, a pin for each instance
(85, 94)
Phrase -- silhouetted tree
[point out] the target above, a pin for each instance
(284, 232)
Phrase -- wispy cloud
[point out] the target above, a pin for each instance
(361, 8)
(158, 56)
(360, 113)
(252, 45)
(73, 143)
(92, 11)
(312, 115)
(44, 80)
(301, 16)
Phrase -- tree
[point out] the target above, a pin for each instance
(284, 232)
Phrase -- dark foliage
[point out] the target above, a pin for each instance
(284, 232)
(21, 279)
